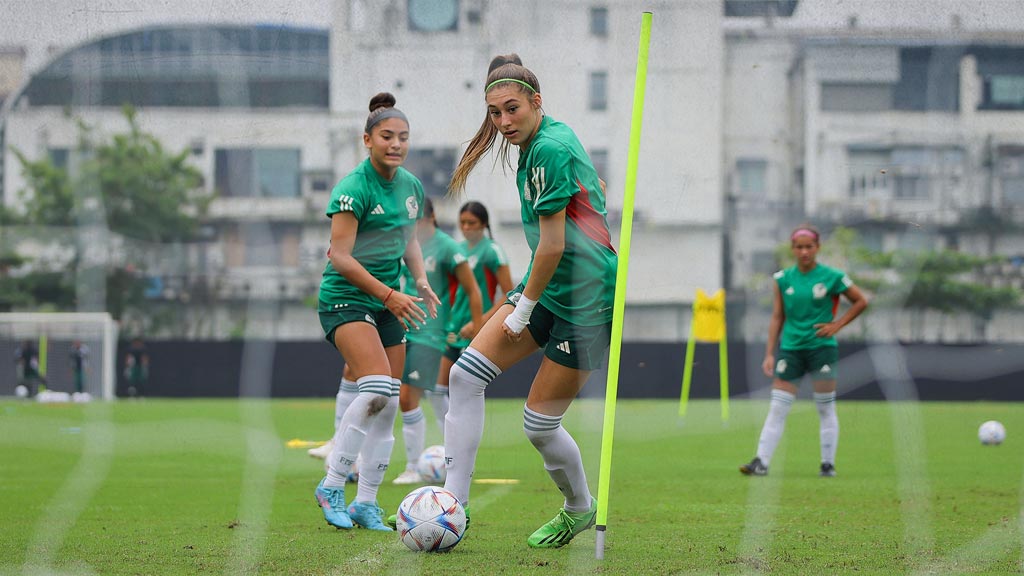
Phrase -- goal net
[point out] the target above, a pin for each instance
(70, 348)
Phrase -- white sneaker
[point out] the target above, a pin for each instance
(408, 477)
(322, 452)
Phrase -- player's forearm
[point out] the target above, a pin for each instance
(353, 271)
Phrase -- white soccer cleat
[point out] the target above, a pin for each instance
(322, 452)
(408, 477)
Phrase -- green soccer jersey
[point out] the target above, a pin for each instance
(809, 299)
(384, 211)
(441, 255)
(485, 258)
(556, 174)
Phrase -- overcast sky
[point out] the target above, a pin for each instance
(38, 24)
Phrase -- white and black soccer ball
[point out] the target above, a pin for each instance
(431, 466)
(991, 433)
(431, 519)
(21, 391)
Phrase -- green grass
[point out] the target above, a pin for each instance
(208, 487)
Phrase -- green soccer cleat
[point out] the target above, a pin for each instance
(563, 528)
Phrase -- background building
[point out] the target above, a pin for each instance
(903, 123)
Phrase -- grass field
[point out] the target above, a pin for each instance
(209, 487)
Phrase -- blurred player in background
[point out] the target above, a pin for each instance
(490, 268)
(373, 211)
(447, 270)
(79, 356)
(26, 362)
(805, 303)
(136, 368)
(563, 306)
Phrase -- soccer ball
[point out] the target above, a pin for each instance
(991, 433)
(21, 391)
(430, 519)
(431, 465)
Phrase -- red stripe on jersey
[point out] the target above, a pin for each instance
(453, 287)
(587, 219)
(835, 305)
(492, 283)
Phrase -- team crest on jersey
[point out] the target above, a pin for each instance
(472, 262)
(412, 207)
(430, 263)
(819, 291)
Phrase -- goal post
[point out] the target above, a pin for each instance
(52, 335)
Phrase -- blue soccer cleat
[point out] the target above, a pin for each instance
(332, 503)
(368, 515)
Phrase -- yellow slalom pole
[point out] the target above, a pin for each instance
(625, 237)
(684, 396)
(43, 345)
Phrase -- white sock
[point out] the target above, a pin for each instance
(414, 428)
(347, 392)
(439, 401)
(774, 424)
(464, 423)
(562, 458)
(380, 438)
(374, 393)
(826, 403)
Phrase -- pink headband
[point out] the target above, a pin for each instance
(804, 232)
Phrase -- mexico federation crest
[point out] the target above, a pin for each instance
(412, 207)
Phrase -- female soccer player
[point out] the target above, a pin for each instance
(564, 305)
(806, 299)
(490, 267)
(363, 314)
(447, 269)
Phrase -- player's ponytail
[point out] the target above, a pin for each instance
(504, 70)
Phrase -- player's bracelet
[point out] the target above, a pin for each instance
(385, 301)
(520, 317)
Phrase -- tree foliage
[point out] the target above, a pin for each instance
(128, 182)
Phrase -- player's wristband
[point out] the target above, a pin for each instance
(520, 317)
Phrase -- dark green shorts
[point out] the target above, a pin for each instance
(820, 363)
(391, 331)
(573, 346)
(422, 363)
(452, 353)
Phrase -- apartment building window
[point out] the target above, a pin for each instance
(599, 158)
(599, 21)
(855, 97)
(1011, 175)
(258, 172)
(751, 177)
(1002, 73)
(599, 90)
(869, 172)
(433, 166)
(913, 173)
(433, 15)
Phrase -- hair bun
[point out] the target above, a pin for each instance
(504, 59)
(382, 100)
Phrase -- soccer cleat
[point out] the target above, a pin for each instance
(332, 503)
(563, 528)
(323, 451)
(827, 470)
(368, 515)
(408, 477)
(754, 468)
